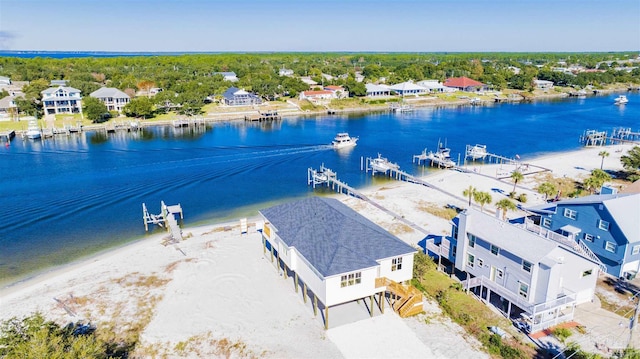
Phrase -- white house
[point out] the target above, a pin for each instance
(113, 98)
(543, 84)
(337, 256)
(432, 85)
(307, 80)
(338, 91)
(4, 81)
(8, 106)
(317, 96)
(519, 271)
(408, 88)
(61, 99)
(377, 90)
(285, 72)
(228, 76)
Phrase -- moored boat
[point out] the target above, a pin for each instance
(381, 164)
(343, 140)
(621, 100)
(477, 152)
(33, 130)
(442, 157)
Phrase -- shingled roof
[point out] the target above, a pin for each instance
(332, 237)
(462, 82)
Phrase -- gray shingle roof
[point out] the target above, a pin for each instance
(108, 92)
(332, 237)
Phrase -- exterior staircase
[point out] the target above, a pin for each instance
(406, 299)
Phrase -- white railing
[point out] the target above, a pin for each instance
(441, 249)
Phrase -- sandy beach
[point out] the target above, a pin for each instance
(216, 294)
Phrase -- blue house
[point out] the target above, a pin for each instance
(609, 225)
(236, 97)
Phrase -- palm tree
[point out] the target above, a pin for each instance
(505, 205)
(469, 193)
(547, 189)
(603, 154)
(516, 176)
(482, 198)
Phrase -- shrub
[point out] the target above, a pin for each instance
(561, 333)
(512, 194)
(522, 198)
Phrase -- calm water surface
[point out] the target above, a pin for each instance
(67, 197)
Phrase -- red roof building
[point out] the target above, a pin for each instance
(465, 84)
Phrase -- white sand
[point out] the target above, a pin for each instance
(218, 285)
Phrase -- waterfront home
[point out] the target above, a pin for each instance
(338, 91)
(228, 76)
(432, 86)
(543, 84)
(465, 84)
(317, 96)
(377, 90)
(336, 255)
(517, 270)
(407, 88)
(61, 100)
(607, 224)
(285, 72)
(114, 99)
(237, 97)
(8, 106)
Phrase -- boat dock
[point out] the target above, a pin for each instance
(619, 135)
(433, 160)
(263, 116)
(7, 135)
(166, 219)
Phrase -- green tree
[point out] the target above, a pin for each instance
(631, 162)
(94, 109)
(516, 176)
(505, 205)
(469, 192)
(139, 107)
(482, 198)
(355, 88)
(596, 180)
(191, 103)
(547, 189)
(603, 154)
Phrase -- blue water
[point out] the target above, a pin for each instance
(67, 197)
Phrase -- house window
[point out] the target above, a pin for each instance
(480, 263)
(523, 290)
(472, 240)
(571, 214)
(526, 266)
(499, 273)
(588, 237)
(495, 250)
(455, 232)
(455, 249)
(470, 260)
(604, 225)
(350, 279)
(610, 246)
(635, 249)
(546, 222)
(396, 264)
(587, 273)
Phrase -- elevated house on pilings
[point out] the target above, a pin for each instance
(521, 273)
(337, 256)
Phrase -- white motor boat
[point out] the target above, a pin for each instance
(343, 140)
(621, 100)
(33, 131)
(477, 152)
(442, 157)
(381, 164)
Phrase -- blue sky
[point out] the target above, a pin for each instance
(329, 25)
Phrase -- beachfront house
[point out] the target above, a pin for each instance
(237, 97)
(518, 271)
(407, 88)
(228, 76)
(61, 100)
(606, 224)
(338, 256)
(114, 99)
(338, 91)
(465, 84)
(317, 96)
(377, 90)
(432, 86)
(543, 84)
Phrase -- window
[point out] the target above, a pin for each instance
(499, 273)
(546, 222)
(396, 264)
(523, 290)
(571, 214)
(610, 246)
(455, 232)
(470, 260)
(350, 279)
(526, 266)
(635, 249)
(455, 250)
(472, 240)
(588, 237)
(604, 225)
(495, 250)
(587, 273)
(480, 263)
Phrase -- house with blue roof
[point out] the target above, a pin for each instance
(237, 97)
(522, 273)
(338, 256)
(609, 225)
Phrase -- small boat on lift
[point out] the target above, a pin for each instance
(442, 157)
(477, 152)
(343, 140)
(381, 164)
(33, 131)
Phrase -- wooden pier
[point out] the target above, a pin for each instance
(263, 116)
(7, 135)
(619, 135)
(433, 160)
(166, 219)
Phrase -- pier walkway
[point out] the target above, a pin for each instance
(166, 219)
